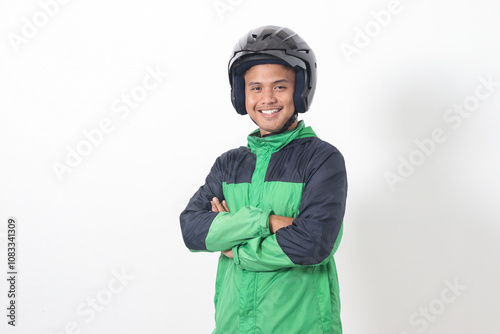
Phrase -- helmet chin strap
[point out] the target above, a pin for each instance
(286, 126)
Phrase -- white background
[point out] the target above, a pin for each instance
(118, 209)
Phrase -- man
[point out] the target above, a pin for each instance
(274, 208)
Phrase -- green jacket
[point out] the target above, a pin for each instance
(277, 283)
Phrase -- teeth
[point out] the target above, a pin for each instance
(269, 112)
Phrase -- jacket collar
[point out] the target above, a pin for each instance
(276, 142)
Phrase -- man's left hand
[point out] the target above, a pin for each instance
(217, 206)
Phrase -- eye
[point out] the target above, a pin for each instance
(255, 88)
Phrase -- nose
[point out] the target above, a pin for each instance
(268, 96)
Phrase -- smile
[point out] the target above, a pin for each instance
(269, 111)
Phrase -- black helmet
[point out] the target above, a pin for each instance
(273, 45)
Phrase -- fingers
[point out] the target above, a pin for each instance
(217, 206)
(224, 203)
(214, 207)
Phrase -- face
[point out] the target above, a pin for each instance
(269, 96)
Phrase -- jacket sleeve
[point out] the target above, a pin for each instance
(204, 230)
(315, 233)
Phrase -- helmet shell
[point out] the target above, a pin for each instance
(273, 45)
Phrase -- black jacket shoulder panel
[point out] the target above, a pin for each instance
(297, 160)
(237, 165)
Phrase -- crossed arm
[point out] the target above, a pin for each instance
(275, 222)
(250, 235)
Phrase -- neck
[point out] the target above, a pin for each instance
(264, 133)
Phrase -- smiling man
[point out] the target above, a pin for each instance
(269, 96)
(274, 209)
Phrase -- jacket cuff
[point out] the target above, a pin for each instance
(236, 257)
(264, 223)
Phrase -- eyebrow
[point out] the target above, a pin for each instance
(259, 83)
